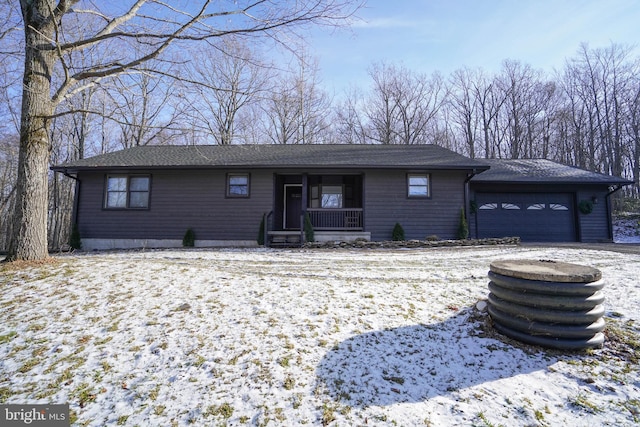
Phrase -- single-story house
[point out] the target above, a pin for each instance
(149, 196)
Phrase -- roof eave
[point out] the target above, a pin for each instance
(75, 169)
(547, 182)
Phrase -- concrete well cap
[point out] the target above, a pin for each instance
(546, 270)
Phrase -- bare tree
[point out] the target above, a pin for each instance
(281, 111)
(350, 127)
(381, 108)
(140, 105)
(224, 82)
(633, 130)
(600, 89)
(490, 101)
(463, 107)
(314, 102)
(54, 34)
(519, 83)
(403, 104)
(297, 108)
(8, 174)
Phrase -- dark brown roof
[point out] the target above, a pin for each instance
(277, 156)
(541, 171)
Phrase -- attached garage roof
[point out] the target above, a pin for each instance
(278, 156)
(541, 171)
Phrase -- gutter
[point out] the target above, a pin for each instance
(473, 173)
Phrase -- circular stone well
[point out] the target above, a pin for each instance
(547, 303)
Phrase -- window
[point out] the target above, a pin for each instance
(238, 185)
(327, 196)
(488, 207)
(418, 185)
(536, 207)
(331, 196)
(127, 192)
(510, 206)
(558, 207)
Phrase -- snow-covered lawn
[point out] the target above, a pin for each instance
(626, 228)
(304, 337)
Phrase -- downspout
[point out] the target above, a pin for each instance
(473, 173)
(608, 207)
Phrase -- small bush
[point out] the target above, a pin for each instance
(74, 240)
(309, 234)
(189, 239)
(397, 235)
(463, 228)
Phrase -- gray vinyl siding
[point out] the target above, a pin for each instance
(594, 227)
(386, 202)
(182, 199)
(178, 200)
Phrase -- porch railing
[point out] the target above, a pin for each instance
(336, 219)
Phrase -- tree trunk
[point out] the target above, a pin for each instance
(28, 240)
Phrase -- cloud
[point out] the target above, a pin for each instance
(388, 23)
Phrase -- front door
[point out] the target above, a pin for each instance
(292, 206)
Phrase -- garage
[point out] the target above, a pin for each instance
(534, 217)
(541, 201)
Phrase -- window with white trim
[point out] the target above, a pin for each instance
(418, 185)
(127, 192)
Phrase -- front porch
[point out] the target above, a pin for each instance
(333, 203)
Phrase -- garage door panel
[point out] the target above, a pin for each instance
(536, 217)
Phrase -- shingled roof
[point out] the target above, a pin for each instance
(277, 156)
(541, 171)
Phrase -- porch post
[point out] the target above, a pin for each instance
(304, 203)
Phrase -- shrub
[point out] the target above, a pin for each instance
(463, 228)
(189, 239)
(397, 234)
(74, 240)
(261, 232)
(309, 234)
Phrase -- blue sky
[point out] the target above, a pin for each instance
(444, 35)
